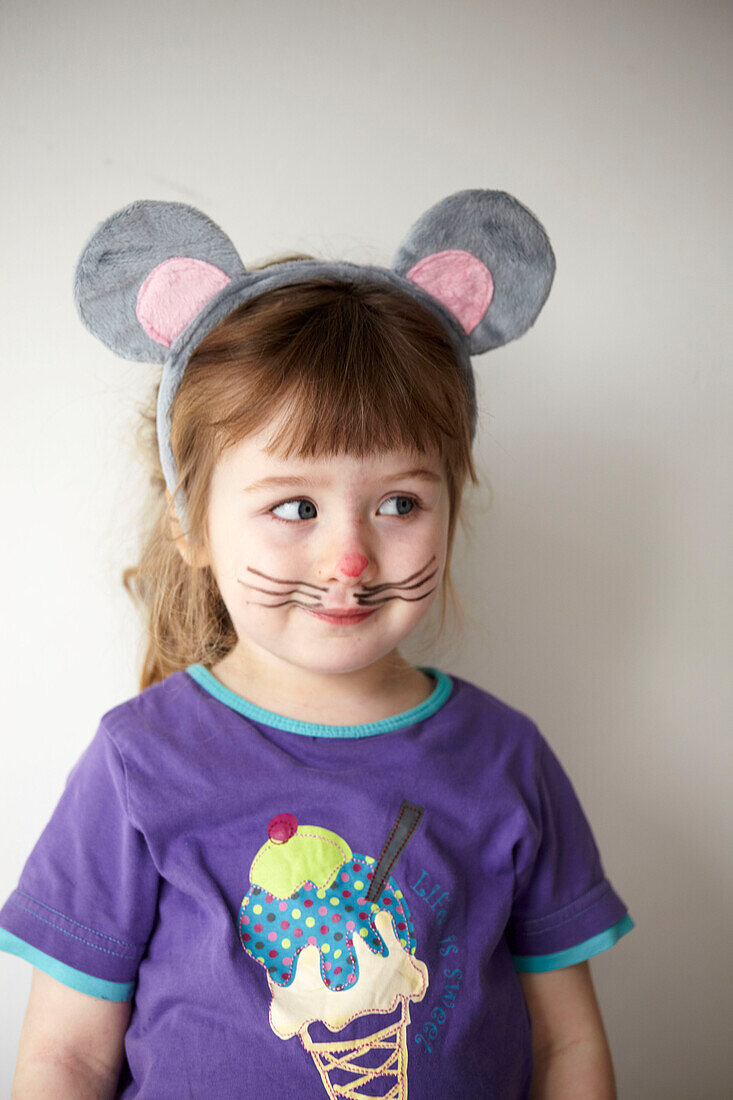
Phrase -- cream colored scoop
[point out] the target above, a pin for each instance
(382, 981)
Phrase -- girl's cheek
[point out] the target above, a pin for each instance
(278, 538)
(271, 550)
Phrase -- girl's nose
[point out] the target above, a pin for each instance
(352, 564)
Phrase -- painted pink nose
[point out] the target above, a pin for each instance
(353, 565)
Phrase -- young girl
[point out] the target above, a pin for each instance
(294, 865)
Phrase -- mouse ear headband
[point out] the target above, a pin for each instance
(156, 277)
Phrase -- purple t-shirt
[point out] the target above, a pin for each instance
(273, 894)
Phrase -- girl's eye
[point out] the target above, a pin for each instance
(304, 509)
(404, 505)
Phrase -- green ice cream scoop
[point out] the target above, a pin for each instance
(297, 854)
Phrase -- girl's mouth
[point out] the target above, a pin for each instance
(341, 618)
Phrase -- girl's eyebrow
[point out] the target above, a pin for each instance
(270, 482)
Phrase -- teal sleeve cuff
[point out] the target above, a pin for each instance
(537, 964)
(67, 975)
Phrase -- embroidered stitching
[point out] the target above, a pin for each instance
(313, 1001)
(376, 888)
(340, 1055)
(102, 935)
(300, 885)
(346, 1063)
(573, 947)
(355, 1015)
(567, 920)
(527, 924)
(106, 951)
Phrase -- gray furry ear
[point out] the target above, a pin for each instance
(147, 272)
(486, 259)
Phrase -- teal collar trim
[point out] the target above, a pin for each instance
(443, 688)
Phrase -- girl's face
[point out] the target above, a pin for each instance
(326, 564)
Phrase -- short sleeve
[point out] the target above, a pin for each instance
(86, 900)
(565, 909)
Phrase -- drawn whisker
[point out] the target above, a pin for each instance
(372, 589)
(277, 580)
(365, 598)
(282, 604)
(404, 587)
(268, 592)
(407, 599)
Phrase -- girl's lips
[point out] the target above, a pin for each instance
(341, 619)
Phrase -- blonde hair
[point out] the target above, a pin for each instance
(361, 368)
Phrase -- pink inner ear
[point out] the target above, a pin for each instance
(459, 280)
(173, 293)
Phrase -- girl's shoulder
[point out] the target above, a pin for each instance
(479, 707)
(491, 703)
(163, 708)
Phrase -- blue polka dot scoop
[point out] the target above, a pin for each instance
(274, 930)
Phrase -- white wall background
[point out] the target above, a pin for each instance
(598, 577)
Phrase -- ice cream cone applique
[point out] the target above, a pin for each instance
(334, 933)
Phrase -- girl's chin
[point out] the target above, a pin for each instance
(333, 655)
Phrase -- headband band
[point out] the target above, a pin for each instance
(156, 277)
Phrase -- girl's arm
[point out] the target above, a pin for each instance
(572, 1059)
(71, 1044)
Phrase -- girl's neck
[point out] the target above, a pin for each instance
(381, 690)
